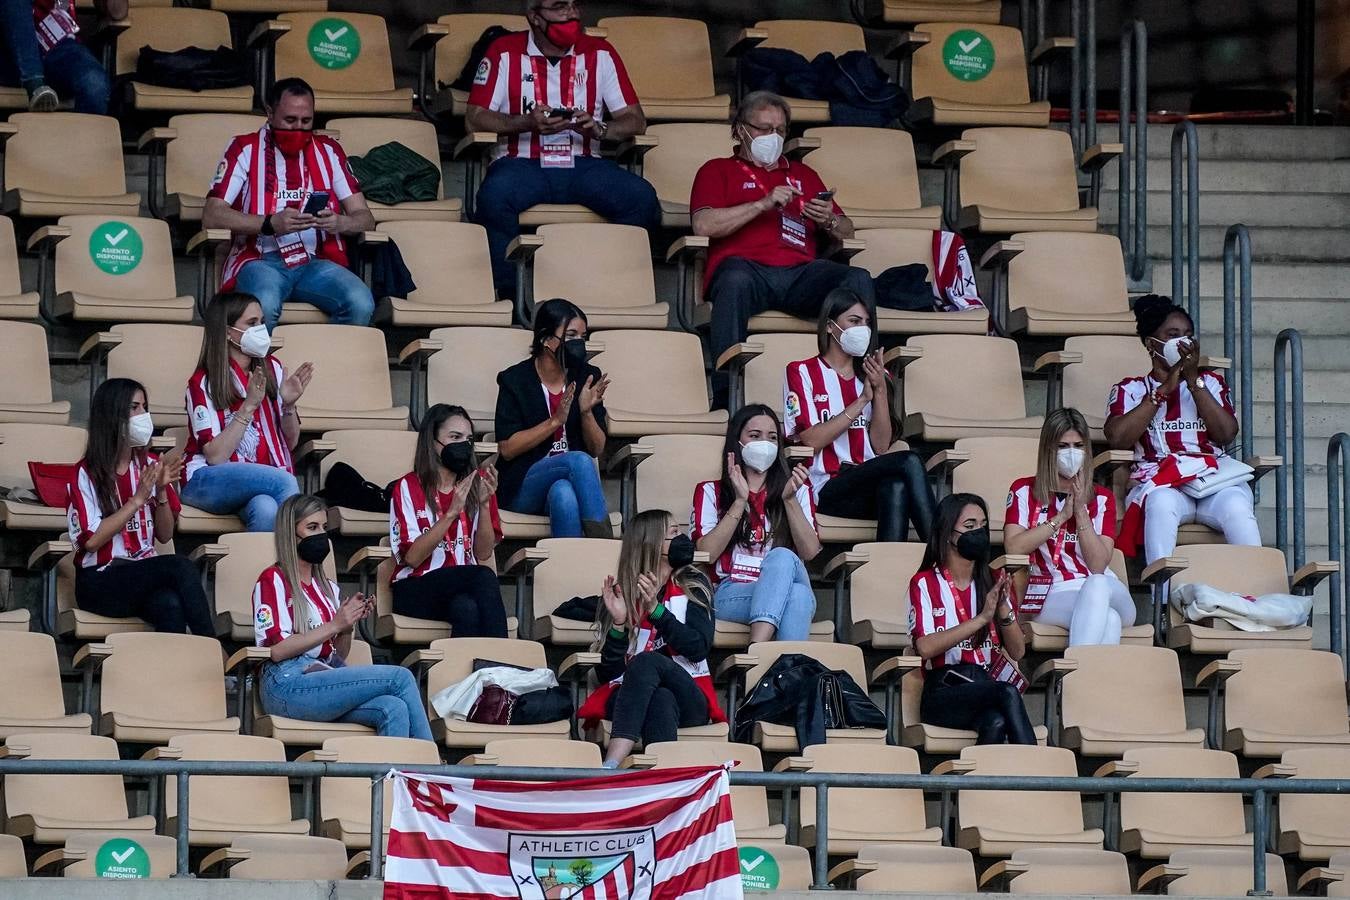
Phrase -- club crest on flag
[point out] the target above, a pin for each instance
(601, 865)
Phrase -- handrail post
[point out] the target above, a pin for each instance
(1290, 341)
(183, 871)
(1132, 200)
(377, 828)
(822, 860)
(1186, 233)
(1338, 536)
(1259, 830)
(1237, 267)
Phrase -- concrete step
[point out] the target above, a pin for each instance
(1256, 176)
(1321, 353)
(1269, 243)
(1249, 142)
(1223, 208)
(1281, 279)
(1310, 315)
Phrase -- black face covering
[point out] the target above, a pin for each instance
(572, 358)
(974, 544)
(458, 458)
(681, 552)
(314, 549)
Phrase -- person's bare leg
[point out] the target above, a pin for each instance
(762, 631)
(617, 751)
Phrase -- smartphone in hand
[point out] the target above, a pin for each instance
(317, 203)
(825, 195)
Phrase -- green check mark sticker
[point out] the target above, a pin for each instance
(968, 55)
(121, 858)
(759, 870)
(334, 43)
(116, 248)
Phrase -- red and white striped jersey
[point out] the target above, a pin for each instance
(272, 622)
(263, 442)
(410, 515)
(136, 540)
(935, 604)
(515, 76)
(553, 401)
(741, 562)
(256, 178)
(54, 21)
(812, 393)
(1058, 559)
(1176, 426)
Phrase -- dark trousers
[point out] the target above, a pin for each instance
(468, 597)
(165, 591)
(993, 709)
(891, 488)
(514, 185)
(657, 699)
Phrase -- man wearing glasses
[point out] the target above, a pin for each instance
(767, 217)
(552, 94)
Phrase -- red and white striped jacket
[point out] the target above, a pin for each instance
(1176, 426)
(1058, 559)
(54, 21)
(410, 515)
(136, 540)
(263, 442)
(812, 393)
(741, 562)
(936, 605)
(272, 622)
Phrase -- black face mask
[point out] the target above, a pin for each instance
(572, 358)
(458, 458)
(681, 552)
(314, 549)
(974, 544)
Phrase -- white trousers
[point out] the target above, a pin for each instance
(1094, 609)
(1229, 510)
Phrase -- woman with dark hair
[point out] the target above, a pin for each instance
(121, 501)
(551, 427)
(839, 405)
(964, 625)
(242, 423)
(444, 529)
(759, 523)
(1177, 418)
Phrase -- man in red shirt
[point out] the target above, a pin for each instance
(766, 216)
(545, 93)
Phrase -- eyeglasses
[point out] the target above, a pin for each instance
(780, 130)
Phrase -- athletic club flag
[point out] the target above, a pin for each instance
(658, 834)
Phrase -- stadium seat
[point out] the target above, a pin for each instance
(670, 64)
(1332, 875)
(231, 565)
(359, 136)
(861, 817)
(79, 857)
(681, 149)
(1257, 717)
(909, 12)
(1314, 826)
(1060, 871)
(1212, 872)
(48, 809)
(954, 84)
(21, 442)
(810, 38)
(344, 803)
(1083, 373)
(184, 157)
(449, 263)
(25, 379)
(607, 265)
(1156, 825)
(885, 248)
(280, 857)
(167, 29)
(305, 732)
(792, 866)
(1042, 637)
(648, 364)
(934, 739)
(71, 622)
(460, 366)
(15, 302)
(554, 570)
(160, 357)
(345, 57)
(755, 367)
(749, 804)
(874, 173)
(351, 387)
(451, 40)
(32, 702)
(998, 823)
(380, 457)
(15, 98)
(110, 270)
(156, 686)
(86, 178)
(532, 753)
(267, 6)
(1047, 299)
(870, 581)
(661, 470)
(452, 660)
(910, 868)
(985, 466)
(990, 402)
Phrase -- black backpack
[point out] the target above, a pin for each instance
(194, 68)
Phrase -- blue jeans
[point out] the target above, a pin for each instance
(567, 487)
(383, 697)
(69, 67)
(321, 282)
(782, 595)
(250, 490)
(514, 185)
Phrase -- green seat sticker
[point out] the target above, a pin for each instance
(759, 870)
(121, 858)
(334, 43)
(116, 248)
(968, 55)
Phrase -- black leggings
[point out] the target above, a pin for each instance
(657, 699)
(891, 488)
(992, 708)
(468, 597)
(164, 590)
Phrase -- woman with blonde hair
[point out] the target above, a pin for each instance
(654, 630)
(1067, 525)
(298, 613)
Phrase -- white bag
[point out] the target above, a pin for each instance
(1230, 471)
(1267, 612)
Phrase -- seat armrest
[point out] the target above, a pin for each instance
(797, 148)
(851, 868)
(636, 147)
(1013, 562)
(947, 460)
(953, 767)
(629, 455)
(746, 40)
(1098, 155)
(794, 764)
(524, 247)
(1162, 569)
(224, 858)
(1053, 669)
(423, 659)
(907, 43)
(420, 349)
(373, 238)
(849, 248)
(1059, 358)
(1263, 465)
(157, 753)
(737, 355)
(1309, 879)
(206, 240)
(162, 443)
(100, 343)
(155, 138)
(207, 555)
(60, 858)
(640, 761)
(1215, 362)
(484, 449)
(950, 153)
(594, 348)
(47, 237)
(690, 246)
(596, 31)
(1220, 669)
(313, 450)
(48, 553)
(894, 668)
(246, 658)
(15, 750)
(799, 453)
(579, 664)
(475, 144)
(267, 33)
(737, 662)
(1004, 868)
(426, 36)
(105, 32)
(844, 564)
(1118, 768)
(1312, 574)
(91, 656)
(1051, 47)
(1106, 462)
(897, 358)
(369, 558)
(703, 557)
(1000, 254)
(1156, 878)
(524, 560)
(1276, 770)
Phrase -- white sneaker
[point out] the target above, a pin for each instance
(43, 99)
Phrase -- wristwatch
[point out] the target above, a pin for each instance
(1012, 618)
(604, 128)
(267, 229)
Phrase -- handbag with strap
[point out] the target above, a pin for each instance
(1230, 471)
(52, 482)
(493, 706)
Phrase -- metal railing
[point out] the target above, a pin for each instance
(1289, 446)
(1186, 227)
(1260, 790)
(1237, 317)
(1133, 194)
(1083, 78)
(1338, 538)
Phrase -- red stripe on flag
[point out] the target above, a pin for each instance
(420, 845)
(704, 825)
(634, 816)
(722, 864)
(636, 778)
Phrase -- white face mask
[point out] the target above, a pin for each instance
(255, 341)
(1069, 461)
(855, 340)
(1171, 349)
(767, 149)
(759, 455)
(139, 429)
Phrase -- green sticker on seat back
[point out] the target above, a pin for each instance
(968, 55)
(116, 248)
(121, 858)
(759, 870)
(334, 43)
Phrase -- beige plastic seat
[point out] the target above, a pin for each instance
(188, 152)
(1333, 875)
(1085, 385)
(534, 753)
(877, 576)
(452, 52)
(670, 64)
(749, 805)
(234, 561)
(1250, 571)
(456, 658)
(346, 59)
(32, 702)
(114, 270)
(86, 177)
(12, 863)
(936, 739)
(1315, 826)
(1156, 825)
(671, 165)
(875, 176)
(351, 387)
(389, 625)
(864, 816)
(267, 6)
(25, 380)
(908, 12)
(80, 853)
(1047, 298)
(358, 136)
(998, 823)
(21, 442)
(756, 367)
(1258, 718)
(73, 623)
(161, 357)
(773, 738)
(48, 809)
(644, 365)
(909, 868)
(1042, 637)
(172, 28)
(280, 857)
(1019, 179)
(1062, 870)
(15, 302)
(305, 732)
(608, 265)
(810, 38)
(345, 802)
(380, 457)
(900, 246)
(663, 469)
(792, 867)
(449, 262)
(987, 400)
(985, 466)
(1211, 872)
(156, 686)
(989, 90)
(462, 368)
(556, 570)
